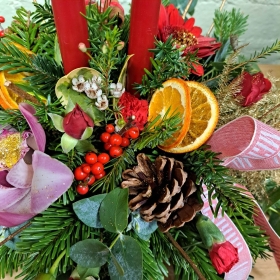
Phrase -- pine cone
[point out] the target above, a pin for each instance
(162, 191)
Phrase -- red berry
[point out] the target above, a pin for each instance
(115, 151)
(2, 19)
(101, 175)
(86, 168)
(91, 158)
(97, 168)
(109, 128)
(79, 174)
(2, 33)
(107, 146)
(105, 136)
(103, 158)
(125, 142)
(89, 180)
(115, 139)
(133, 132)
(82, 189)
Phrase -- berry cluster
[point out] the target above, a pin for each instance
(93, 168)
(2, 32)
(90, 171)
(114, 142)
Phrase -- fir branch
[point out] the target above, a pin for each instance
(48, 235)
(185, 256)
(209, 171)
(167, 63)
(44, 15)
(114, 176)
(44, 72)
(14, 118)
(157, 131)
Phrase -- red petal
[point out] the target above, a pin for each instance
(196, 31)
(189, 24)
(175, 19)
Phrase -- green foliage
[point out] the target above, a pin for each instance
(48, 235)
(156, 133)
(114, 220)
(167, 63)
(228, 24)
(44, 72)
(87, 210)
(209, 171)
(105, 37)
(128, 254)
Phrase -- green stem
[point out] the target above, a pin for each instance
(114, 242)
(53, 269)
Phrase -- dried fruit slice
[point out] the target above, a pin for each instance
(175, 95)
(204, 118)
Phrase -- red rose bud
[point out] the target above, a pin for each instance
(222, 253)
(76, 121)
(253, 88)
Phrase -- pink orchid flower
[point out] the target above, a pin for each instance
(35, 181)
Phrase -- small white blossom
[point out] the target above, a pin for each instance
(97, 80)
(92, 90)
(102, 102)
(117, 89)
(78, 84)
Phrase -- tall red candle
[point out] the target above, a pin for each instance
(143, 29)
(71, 29)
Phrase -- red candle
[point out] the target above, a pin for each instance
(143, 29)
(71, 29)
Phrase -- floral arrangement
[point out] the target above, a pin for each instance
(124, 143)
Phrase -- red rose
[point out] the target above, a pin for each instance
(223, 256)
(76, 121)
(132, 106)
(253, 87)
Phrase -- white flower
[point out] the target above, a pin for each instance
(117, 89)
(97, 80)
(102, 102)
(92, 90)
(78, 84)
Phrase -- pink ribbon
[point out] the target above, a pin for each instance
(246, 144)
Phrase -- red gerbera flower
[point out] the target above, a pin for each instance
(185, 33)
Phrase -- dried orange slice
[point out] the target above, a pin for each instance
(174, 95)
(204, 118)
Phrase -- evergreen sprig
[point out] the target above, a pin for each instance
(44, 71)
(221, 186)
(156, 133)
(49, 234)
(14, 118)
(167, 63)
(228, 24)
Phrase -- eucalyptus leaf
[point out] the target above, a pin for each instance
(129, 256)
(85, 272)
(89, 253)
(142, 228)
(87, 210)
(57, 121)
(68, 143)
(114, 210)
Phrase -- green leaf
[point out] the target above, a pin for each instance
(68, 143)
(114, 220)
(57, 121)
(87, 210)
(89, 253)
(85, 272)
(85, 146)
(274, 220)
(87, 133)
(129, 255)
